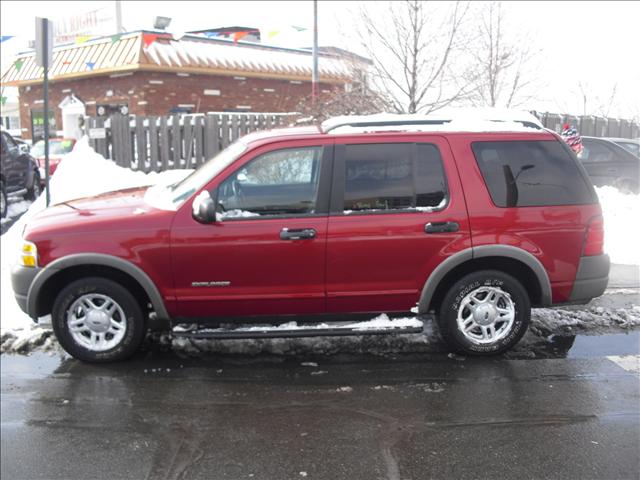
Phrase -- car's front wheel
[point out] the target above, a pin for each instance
(34, 192)
(97, 320)
(484, 313)
(3, 200)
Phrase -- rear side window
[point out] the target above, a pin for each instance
(531, 173)
(393, 176)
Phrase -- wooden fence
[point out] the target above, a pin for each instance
(154, 144)
(591, 126)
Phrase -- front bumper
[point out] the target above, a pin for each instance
(21, 280)
(592, 278)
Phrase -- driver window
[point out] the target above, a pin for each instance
(282, 182)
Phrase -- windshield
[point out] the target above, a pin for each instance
(171, 197)
(56, 147)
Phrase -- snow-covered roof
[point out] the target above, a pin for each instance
(190, 53)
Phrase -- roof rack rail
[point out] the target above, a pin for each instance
(388, 123)
(458, 117)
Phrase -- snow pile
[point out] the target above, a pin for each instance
(428, 341)
(547, 321)
(82, 173)
(621, 225)
(380, 322)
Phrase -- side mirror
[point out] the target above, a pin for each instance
(203, 208)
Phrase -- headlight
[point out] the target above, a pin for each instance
(29, 254)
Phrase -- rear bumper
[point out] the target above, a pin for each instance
(592, 278)
(21, 280)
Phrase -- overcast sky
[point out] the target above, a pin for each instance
(595, 43)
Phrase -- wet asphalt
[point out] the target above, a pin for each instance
(162, 416)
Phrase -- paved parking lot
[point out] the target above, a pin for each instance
(335, 417)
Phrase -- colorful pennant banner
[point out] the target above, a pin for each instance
(239, 35)
(18, 63)
(148, 39)
(4, 38)
(90, 65)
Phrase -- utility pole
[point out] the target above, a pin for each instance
(118, 17)
(45, 39)
(44, 56)
(314, 77)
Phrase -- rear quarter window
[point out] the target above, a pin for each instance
(531, 173)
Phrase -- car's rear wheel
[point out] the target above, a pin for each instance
(35, 190)
(97, 320)
(3, 200)
(484, 313)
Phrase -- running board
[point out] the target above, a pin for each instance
(275, 332)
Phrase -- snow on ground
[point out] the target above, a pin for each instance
(621, 225)
(85, 173)
(15, 209)
(82, 173)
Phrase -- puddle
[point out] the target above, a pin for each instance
(586, 346)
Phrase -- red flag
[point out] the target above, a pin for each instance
(238, 35)
(149, 38)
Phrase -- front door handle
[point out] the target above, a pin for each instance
(441, 227)
(299, 234)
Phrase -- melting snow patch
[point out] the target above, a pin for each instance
(546, 321)
(631, 363)
(621, 227)
(15, 209)
(344, 389)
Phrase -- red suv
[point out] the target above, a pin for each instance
(473, 227)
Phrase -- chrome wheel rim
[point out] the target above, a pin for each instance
(96, 322)
(486, 315)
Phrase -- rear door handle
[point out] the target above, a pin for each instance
(441, 227)
(300, 234)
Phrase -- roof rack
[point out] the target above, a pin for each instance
(455, 117)
(382, 123)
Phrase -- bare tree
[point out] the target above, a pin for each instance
(499, 70)
(414, 46)
(593, 104)
(355, 98)
(359, 99)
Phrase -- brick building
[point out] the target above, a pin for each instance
(146, 73)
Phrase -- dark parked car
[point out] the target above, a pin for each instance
(631, 144)
(474, 227)
(609, 164)
(19, 175)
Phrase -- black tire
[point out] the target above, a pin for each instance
(5, 203)
(35, 190)
(135, 321)
(448, 312)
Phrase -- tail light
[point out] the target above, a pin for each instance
(594, 239)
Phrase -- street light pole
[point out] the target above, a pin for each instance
(314, 77)
(45, 85)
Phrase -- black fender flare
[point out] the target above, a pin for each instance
(463, 256)
(96, 259)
